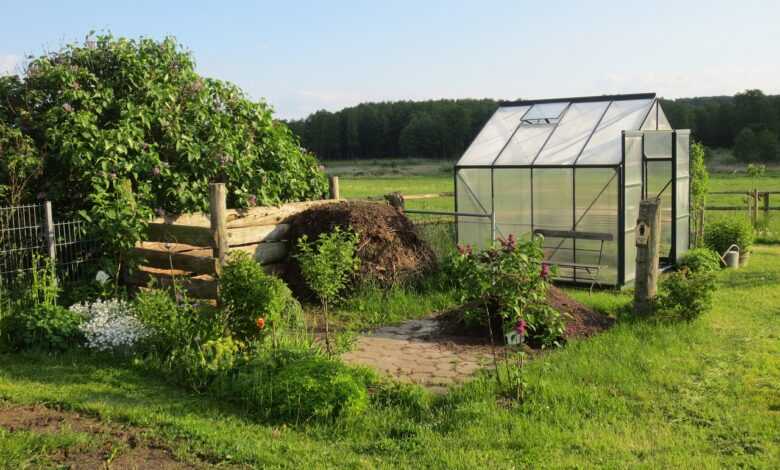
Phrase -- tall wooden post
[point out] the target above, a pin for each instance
(333, 183)
(48, 232)
(219, 238)
(766, 204)
(754, 214)
(648, 236)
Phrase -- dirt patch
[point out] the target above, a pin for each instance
(389, 248)
(120, 447)
(581, 321)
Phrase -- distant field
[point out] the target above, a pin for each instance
(378, 177)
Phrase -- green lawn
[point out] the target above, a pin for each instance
(699, 395)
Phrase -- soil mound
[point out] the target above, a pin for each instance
(581, 321)
(389, 248)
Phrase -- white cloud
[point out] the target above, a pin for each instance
(9, 64)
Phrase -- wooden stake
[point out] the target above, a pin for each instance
(48, 231)
(648, 236)
(333, 183)
(219, 235)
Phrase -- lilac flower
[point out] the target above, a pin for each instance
(545, 273)
(252, 200)
(521, 327)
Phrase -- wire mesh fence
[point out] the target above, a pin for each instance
(24, 244)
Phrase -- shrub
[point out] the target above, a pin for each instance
(685, 295)
(700, 259)
(327, 265)
(111, 325)
(197, 365)
(297, 386)
(116, 128)
(721, 234)
(255, 302)
(508, 281)
(174, 325)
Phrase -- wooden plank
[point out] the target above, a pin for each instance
(194, 261)
(265, 215)
(49, 233)
(257, 234)
(188, 234)
(170, 247)
(199, 287)
(265, 253)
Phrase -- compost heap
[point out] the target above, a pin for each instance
(389, 248)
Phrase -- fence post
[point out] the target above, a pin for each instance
(766, 204)
(754, 214)
(648, 235)
(333, 187)
(218, 210)
(49, 233)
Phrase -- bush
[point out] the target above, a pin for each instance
(685, 295)
(700, 259)
(297, 386)
(721, 234)
(255, 302)
(509, 281)
(174, 325)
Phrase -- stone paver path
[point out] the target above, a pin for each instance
(415, 352)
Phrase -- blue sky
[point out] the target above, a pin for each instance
(303, 56)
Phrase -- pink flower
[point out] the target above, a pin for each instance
(545, 273)
(252, 200)
(509, 243)
(464, 250)
(520, 328)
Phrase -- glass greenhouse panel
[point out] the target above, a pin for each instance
(651, 121)
(473, 188)
(605, 147)
(572, 132)
(663, 122)
(682, 227)
(513, 201)
(492, 138)
(683, 237)
(546, 112)
(596, 210)
(525, 144)
(682, 153)
(659, 184)
(553, 209)
(633, 195)
(658, 144)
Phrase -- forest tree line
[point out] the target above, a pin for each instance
(748, 122)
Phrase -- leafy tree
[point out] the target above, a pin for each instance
(768, 147)
(115, 129)
(699, 183)
(746, 147)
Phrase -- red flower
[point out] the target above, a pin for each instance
(260, 322)
(464, 250)
(545, 271)
(520, 328)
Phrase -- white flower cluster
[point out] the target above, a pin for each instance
(110, 325)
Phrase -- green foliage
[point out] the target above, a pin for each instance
(328, 263)
(700, 260)
(175, 324)
(510, 282)
(116, 128)
(721, 234)
(248, 293)
(685, 295)
(297, 386)
(33, 320)
(699, 186)
(198, 364)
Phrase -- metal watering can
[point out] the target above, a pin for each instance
(731, 257)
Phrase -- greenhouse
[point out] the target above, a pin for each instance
(573, 170)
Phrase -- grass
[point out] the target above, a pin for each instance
(698, 395)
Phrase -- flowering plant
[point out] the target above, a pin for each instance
(509, 281)
(110, 325)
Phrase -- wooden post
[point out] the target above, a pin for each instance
(48, 231)
(333, 183)
(648, 236)
(766, 204)
(754, 214)
(219, 235)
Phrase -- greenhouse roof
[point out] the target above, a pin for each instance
(563, 132)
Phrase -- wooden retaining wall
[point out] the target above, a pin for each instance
(189, 250)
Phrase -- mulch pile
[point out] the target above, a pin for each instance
(389, 248)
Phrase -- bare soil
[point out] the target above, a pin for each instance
(389, 248)
(121, 447)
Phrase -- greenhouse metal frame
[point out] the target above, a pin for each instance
(574, 171)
